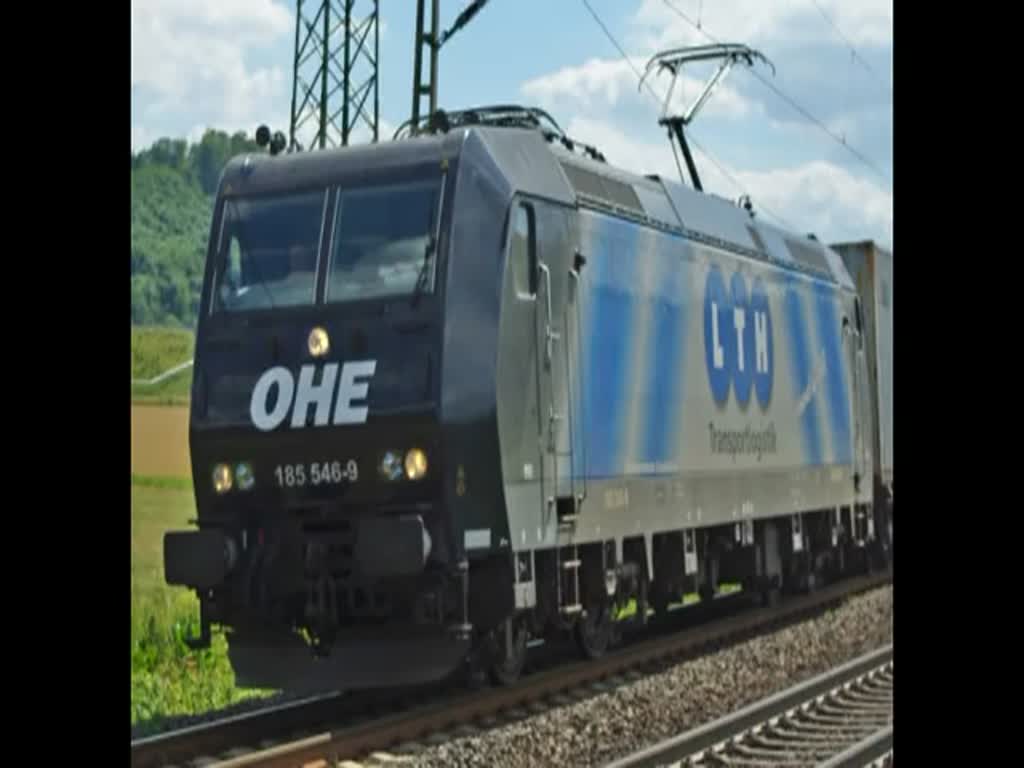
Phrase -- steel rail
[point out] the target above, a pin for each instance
(783, 710)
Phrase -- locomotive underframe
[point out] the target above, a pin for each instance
(790, 554)
(357, 608)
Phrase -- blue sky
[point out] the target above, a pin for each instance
(227, 64)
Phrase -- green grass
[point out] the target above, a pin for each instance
(168, 679)
(155, 350)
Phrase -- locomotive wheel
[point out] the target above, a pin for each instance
(763, 592)
(659, 601)
(506, 668)
(594, 633)
(706, 592)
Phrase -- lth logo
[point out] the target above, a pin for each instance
(738, 347)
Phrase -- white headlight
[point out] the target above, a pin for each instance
(415, 464)
(222, 478)
(319, 342)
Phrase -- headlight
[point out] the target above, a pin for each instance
(222, 478)
(319, 342)
(244, 476)
(415, 464)
(391, 465)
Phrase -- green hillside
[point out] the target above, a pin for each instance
(170, 218)
(173, 184)
(155, 350)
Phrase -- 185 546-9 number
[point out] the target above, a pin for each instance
(316, 473)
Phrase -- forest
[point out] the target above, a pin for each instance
(173, 185)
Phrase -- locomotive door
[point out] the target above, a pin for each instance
(553, 356)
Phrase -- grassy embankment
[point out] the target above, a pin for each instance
(155, 350)
(168, 679)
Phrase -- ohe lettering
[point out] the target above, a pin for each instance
(313, 393)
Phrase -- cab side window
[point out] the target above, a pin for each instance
(522, 251)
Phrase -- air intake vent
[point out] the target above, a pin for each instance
(622, 194)
(602, 189)
(584, 182)
(808, 257)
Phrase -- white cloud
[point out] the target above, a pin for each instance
(386, 129)
(360, 133)
(786, 163)
(621, 150)
(814, 196)
(863, 23)
(251, 21)
(189, 56)
(597, 78)
(824, 198)
(761, 22)
(604, 82)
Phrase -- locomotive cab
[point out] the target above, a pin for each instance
(339, 403)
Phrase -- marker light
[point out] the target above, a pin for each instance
(222, 478)
(244, 476)
(415, 464)
(319, 343)
(391, 465)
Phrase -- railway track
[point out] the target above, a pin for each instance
(842, 718)
(320, 731)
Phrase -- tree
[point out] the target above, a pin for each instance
(173, 184)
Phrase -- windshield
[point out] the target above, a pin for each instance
(383, 241)
(268, 252)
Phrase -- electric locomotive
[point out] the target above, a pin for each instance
(473, 387)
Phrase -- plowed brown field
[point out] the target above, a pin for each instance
(160, 440)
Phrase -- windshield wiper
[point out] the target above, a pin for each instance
(421, 278)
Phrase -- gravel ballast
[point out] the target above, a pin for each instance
(610, 725)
